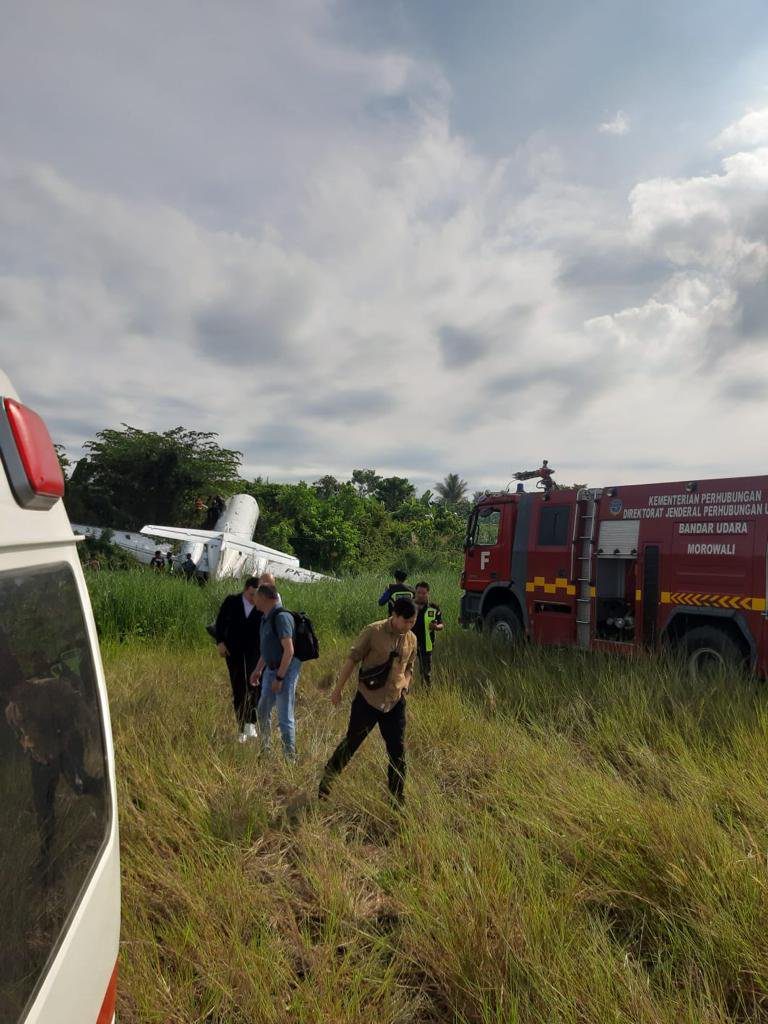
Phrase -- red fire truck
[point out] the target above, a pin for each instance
(625, 569)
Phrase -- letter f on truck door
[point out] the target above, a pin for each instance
(484, 555)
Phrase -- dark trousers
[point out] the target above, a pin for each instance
(245, 698)
(45, 781)
(425, 665)
(362, 719)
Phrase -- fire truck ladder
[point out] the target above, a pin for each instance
(582, 549)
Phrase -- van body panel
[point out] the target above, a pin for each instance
(74, 979)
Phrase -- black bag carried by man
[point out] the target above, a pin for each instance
(306, 646)
(376, 676)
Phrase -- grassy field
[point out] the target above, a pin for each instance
(585, 840)
(137, 605)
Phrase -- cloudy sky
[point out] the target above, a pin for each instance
(422, 236)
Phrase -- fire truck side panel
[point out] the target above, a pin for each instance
(761, 587)
(724, 585)
(550, 592)
(669, 562)
(519, 572)
(643, 581)
(708, 555)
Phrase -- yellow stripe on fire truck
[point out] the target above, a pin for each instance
(695, 600)
(550, 587)
(749, 604)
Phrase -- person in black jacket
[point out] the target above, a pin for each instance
(237, 639)
(397, 589)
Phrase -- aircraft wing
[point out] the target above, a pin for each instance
(181, 533)
(250, 547)
(191, 536)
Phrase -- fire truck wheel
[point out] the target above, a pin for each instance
(502, 624)
(711, 653)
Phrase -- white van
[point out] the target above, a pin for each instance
(59, 854)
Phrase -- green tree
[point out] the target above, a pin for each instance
(327, 486)
(452, 490)
(392, 491)
(131, 477)
(64, 460)
(275, 528)
(413, 510)
(366, 481)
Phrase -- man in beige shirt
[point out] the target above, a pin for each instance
(389, 646)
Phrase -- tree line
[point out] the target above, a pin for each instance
(129, 477)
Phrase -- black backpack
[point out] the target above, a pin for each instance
(306, 646)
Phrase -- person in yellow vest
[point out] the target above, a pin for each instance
(429, 621)
(397, 589)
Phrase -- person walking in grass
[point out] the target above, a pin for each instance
(397, 589)
(278, 670)
(268, 580)
(429, 621)
(385, 652)
(237, 636)
(157, 561)
(189, 567)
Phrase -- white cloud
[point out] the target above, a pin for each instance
(142, 299)
(712, 231)
(618, 126)
(750, 130)
(362, 287)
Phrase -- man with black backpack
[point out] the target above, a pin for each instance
(287, 639)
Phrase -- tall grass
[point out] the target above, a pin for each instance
(137, 604)
(585, 840)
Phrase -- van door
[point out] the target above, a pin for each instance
(59, 885)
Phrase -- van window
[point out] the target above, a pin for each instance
(54, 786)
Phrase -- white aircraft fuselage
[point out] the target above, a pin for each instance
(141, 548)
(229, 550)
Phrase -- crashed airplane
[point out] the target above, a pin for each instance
(134, 544)
(229, 550)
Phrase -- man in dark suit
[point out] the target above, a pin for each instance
(237, 639)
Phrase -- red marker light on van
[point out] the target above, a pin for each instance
(29, 457)
(107, 1011)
